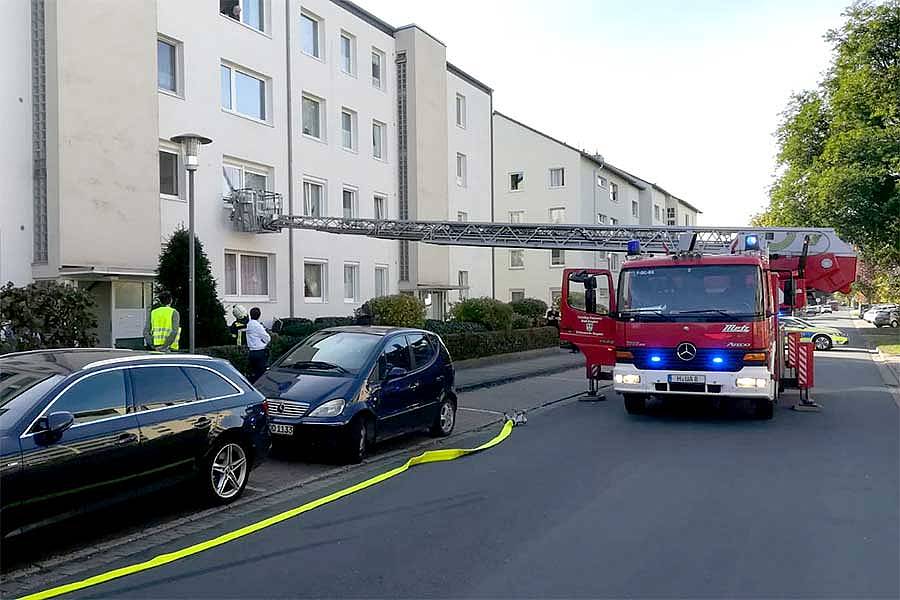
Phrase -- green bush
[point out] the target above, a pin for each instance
(46, 315)
(533, 308)
(400, 310)
(493, 314)
(463, 346)
(446, 327)
(300, 330)
(521, 322)
(333, 321)
(237, 355)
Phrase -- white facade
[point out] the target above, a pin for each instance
(530, 188)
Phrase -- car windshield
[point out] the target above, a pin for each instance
(704, 292)
(796, 321)
(332, 351)
(19, 389)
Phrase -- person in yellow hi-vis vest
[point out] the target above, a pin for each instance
(163, 328)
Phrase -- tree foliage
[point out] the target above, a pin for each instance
(46, 315)
(839, 145)
(399, 310)
(172, 276)
(493, 314)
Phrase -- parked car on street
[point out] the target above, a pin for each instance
(812, 309)
(887, 316)
(869, 315)
(81, 428)
(823, 338)
(862, 310)
(350, 387)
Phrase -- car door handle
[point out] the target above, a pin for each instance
(126, 438)
(414, 385)
(202, 423)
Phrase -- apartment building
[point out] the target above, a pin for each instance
(316, 104)
(660, 208)
(539, 179)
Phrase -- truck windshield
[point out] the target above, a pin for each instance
(699, 292)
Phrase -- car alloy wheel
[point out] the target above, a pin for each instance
(822, 342)
(446, 418)
(228, 471)
(895, 323)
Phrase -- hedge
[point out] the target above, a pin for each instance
(463, 346)
(493, 314)
(448, 327)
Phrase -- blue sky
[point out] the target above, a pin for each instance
(685, 94)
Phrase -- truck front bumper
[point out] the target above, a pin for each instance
(755, 382)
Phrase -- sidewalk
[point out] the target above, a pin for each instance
(504, 368)
(873, 337)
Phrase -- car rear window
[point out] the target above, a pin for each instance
(159, 387)
(209, 384)
(423, 350)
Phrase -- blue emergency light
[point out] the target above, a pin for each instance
(634, 247)
(751, 242)
(655, 359)
(718, 360)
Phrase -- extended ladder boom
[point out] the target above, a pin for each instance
(784, 241)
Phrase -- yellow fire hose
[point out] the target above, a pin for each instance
(429, 456)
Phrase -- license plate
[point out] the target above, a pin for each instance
(687, 378)
(278, 429)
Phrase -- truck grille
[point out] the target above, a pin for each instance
(732, 360)
(287, 408)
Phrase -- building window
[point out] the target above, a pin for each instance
(381, 281)
(248, 12)
(314, 281)
(378, 137)
(348, 53)
(613, 262)
(614, 192)
(243, 93)
(671, 218)
(167, 66)
(557, 177)
(312, 109)
(687, 219)
(601, 181)
(557, 215)
(404, 260)
(462, 216)
(377, 69)
(310, 32)
(634, 209)
(516, 295)
(380, 202)
(613, 221)
(557, 258)
(602, 219)
(656, 212)
(348, 198)
(236, 176)
(168, 173)
(247, 275)
(555, 297)
(348, 129)
(516, 181)
(461, 110)
(351, 282)
(460, 169)
(463, 285)
(517, 216)
(313, 199)
(516, 259)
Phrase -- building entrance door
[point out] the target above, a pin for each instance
(131, 300)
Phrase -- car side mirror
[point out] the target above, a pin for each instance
(57, 422)
(395, 373)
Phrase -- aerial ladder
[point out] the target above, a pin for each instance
(803, 259)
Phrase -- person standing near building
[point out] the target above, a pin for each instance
(258, 343)
(163, 329)
(239, 327)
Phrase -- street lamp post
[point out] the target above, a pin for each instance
(190, 144)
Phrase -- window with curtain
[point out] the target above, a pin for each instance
(349, 203)
(351, 283)
(312, 117)
(557, 177)
(313, 199)
(166, 65)
(381, 281)
(314, 282)
(309, 34)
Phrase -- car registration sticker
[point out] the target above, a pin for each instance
(687, 378)
(279, 429)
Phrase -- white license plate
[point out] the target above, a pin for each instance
(279, 429)
(687, 378)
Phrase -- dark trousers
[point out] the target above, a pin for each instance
(258, 361)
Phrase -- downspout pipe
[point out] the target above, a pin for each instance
(290, 153)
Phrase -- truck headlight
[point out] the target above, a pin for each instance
(332, 408)
(750, 382)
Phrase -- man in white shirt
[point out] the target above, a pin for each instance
(258, 343)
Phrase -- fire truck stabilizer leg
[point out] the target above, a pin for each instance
(593, 392)
(806, 404)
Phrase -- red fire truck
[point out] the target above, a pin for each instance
(695, 310)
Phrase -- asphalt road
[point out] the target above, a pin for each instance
(585, 501)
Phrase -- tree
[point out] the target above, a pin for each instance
(46, 315)
(839, 145)
(172, 276)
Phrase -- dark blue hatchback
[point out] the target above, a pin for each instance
(354, 386)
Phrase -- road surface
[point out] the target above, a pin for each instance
(586, 501)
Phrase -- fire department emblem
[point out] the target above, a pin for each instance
(589, 326)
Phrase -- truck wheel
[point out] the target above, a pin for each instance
(635, 404)
(765, 409)
(822, 342)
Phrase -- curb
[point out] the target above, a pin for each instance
(518, 377)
